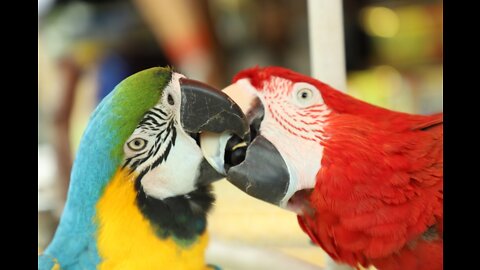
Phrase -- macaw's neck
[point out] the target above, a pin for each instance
(181, 217)
(139, 232)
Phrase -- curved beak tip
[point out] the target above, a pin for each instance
(204, 108)
(263, 174)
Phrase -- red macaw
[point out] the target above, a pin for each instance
(366, 182)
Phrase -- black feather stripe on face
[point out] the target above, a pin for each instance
(158, 124)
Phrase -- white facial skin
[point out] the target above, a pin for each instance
(289, 127)
(161, 149)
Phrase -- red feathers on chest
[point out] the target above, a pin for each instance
(379, 190)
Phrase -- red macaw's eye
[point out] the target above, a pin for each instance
(304, 94)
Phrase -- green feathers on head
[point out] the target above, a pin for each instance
(131, 99)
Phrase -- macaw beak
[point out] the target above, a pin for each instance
(263, 172)
(206, 110)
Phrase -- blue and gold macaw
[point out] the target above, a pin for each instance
(140, 186)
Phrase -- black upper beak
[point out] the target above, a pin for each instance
(205, 108)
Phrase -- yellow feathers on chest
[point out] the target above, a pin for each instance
(126, 240)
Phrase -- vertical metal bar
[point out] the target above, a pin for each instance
(327, 48)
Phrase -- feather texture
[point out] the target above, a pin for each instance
(381, 195)
(378, 196)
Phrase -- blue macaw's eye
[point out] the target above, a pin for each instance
(137, 144)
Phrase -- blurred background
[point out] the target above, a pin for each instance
(394, 58)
